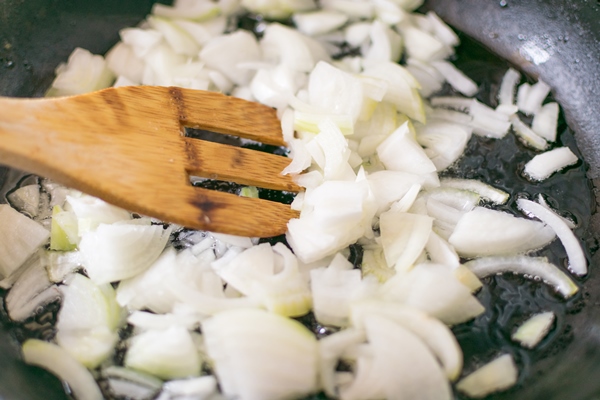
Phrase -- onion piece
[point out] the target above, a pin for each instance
(116, 252)
(534, 97)
(166, 354)
(486, 191)
(403, 237)
(526, 266)
(437, 336)
(484, 232)
(56, 360)
(83, 73)
(331, 349)
(202, 387)
(407, 367)
(456, 78)
(545, 121)
(497, 375)
(225, 53)
(435, 290)
(31, 289)
(130, 383)
(400, 152)
(259, 355)
(319, 22)
(20, 237)
(543, 165)
(506, 94)
(577, 259)
(26, 199)
(532, 331)
(528, 136)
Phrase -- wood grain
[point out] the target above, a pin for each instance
(125, 145)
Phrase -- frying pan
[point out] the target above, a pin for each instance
(555, 40)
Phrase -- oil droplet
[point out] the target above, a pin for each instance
(521, 36)
(503, 3)
(9, 64)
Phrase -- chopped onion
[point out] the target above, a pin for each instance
(20, 237)
(577, 259)
(545, 121)
(408, 368)
(258, 355)
(528, 136)
(543, 165)
(319, 22)
(435, 290)
(534, 97)
(499, 374)
(506, 94)
(486, 191)
(532, 331)
(437, 336)
(166, 354)
(26, 199)
(203, 387)
(403, 237)
(456, 78)
(116, 252)
(56, 360)
(484, 232)
(527, 266)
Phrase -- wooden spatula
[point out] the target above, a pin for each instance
(126, 145)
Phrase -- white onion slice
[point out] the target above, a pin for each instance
(456, 78)
(543, 165)
(437, 336)
(259, 355)
(319, 22)
(577, 259)
(525, 265)
(534, 97)
(483, 232)
(56, 360)
(528, 136)
(116, 252)
(506, 94)
(408, 368)
(545, 121)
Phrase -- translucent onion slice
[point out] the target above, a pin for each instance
(486, 191)
(577, 259)
(56, 360)
(526, 266)
(203, 387)
(528, 136)
(497, 375)
(532, 331)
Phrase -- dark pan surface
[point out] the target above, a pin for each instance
(557, 40)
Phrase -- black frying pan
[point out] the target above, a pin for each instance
(557, 40)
